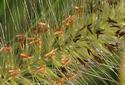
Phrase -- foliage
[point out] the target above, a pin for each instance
(61, 42)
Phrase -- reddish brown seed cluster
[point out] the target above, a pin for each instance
(23, 40)
(59, 32)
(25, 55)
(6, 49)
(58, 82)
(41, 69)
(65, 61)
(14, 72)
(69, 21)
(41, 27)
(34, 41)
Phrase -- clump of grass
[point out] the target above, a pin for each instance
(66, 42)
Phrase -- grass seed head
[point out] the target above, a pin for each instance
(51, 53)
(6, 49)
(65, 61)
(25, 55)
(14, 72)
(69, 21)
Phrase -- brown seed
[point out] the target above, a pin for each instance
(58, 32)
(61, 81)
(51, 53)
(37, 42)
(69, 21)
(20, 35)
(14, 72)
(41, 27)
(65, 61)
(6, 49)
(25, 55)
(41, 69)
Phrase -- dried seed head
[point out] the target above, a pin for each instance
(61, 81)
(36, 42)
(69, 21)
(65, 61)
(58, 82)
(20, 35)
(40, 28)
(14, 72)
(6, 49)
(58, 32)
(21, 40)
(41, 69)
(25, 55)
(51, 53)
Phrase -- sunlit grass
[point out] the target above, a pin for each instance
(61, 42)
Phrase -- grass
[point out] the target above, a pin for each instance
(61, 42)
